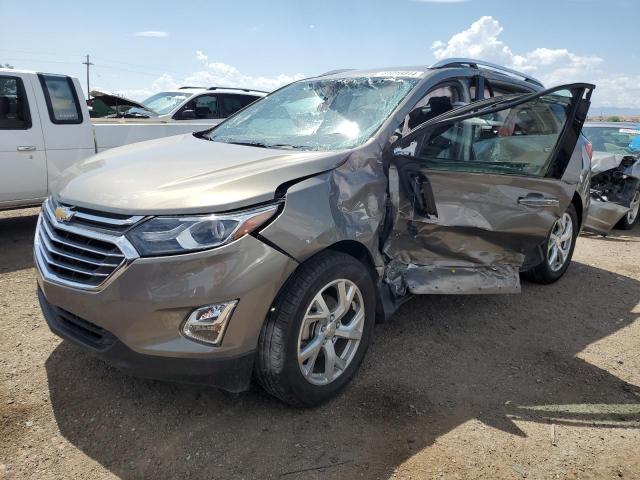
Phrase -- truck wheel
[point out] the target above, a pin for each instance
(561, 242)
(318, 330)
(629, 220)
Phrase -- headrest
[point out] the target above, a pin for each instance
(202, 111)
(440, 105)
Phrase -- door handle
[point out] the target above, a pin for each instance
(27, 148)
(538, 201)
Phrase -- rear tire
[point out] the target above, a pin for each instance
(549, 271)
(307, 316)
(631, 218)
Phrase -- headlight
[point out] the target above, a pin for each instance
(167, 235)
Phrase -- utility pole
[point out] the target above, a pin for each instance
(88, 64)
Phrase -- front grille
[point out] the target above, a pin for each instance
(76, 254)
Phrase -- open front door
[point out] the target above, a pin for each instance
(478, 189)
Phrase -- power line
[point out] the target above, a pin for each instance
(88, 63)
(99, 65)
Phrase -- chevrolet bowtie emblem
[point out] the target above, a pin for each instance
(63, 214)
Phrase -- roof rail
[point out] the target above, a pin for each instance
(456, 62)
(333, 72)
(187, 87)
(238, 89)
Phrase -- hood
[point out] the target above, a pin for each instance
(185, 174)
(603, 161)
(112, 100)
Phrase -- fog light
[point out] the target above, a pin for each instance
(207, 324)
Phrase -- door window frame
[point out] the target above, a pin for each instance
(193, 99)
(560, 155)
(47, 98)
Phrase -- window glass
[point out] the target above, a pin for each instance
(324, 114)
(62, 101)
(205, 106)
(232, 103)
(14, 109)
(200, 108)
(164, 102)
(517, 141)
(436, 102)
(614, 139)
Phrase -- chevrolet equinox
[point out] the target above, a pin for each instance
(269, 245)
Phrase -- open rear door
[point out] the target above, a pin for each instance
(476, 190)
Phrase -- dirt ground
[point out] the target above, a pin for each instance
(545, 385)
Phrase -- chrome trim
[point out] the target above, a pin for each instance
(120, 241)
(54, 236)
(46, 232)
(52, 248)
(83, 271)
(105, 220)
(539, 202)
(108, 221)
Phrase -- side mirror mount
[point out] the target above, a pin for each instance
(187, 115)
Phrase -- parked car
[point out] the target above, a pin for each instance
(45, 127)
(205, 105)
(106, 104)
(615, 181)
(272, 242)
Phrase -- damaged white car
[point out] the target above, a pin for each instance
(615, 180)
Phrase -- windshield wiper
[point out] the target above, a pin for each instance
(286, 146)
(250, 144)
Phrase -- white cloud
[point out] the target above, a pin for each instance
(212, 74)
(480, 40)
(152, 34)
(551, 65)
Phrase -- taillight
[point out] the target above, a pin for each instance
(588, 146)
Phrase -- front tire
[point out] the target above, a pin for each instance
(318, 330)
(629, 220)
(558, 249)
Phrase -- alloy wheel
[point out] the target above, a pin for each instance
(560, 241)
(634, 208)
(331, 331)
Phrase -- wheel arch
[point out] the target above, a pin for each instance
(357, 250)
(577, 204)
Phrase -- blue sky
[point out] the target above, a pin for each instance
(267, 43)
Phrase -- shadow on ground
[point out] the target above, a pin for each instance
(616, 235)
(16, 242)
(442, 362)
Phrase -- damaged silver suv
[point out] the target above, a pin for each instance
(270, 244)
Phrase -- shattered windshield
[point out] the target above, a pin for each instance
(164, 102)
(622, 140)
(326, 114)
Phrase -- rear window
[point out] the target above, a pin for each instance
(62, 101)
(14, 109)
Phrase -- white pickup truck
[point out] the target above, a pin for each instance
(45, 127)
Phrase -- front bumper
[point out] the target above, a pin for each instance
(603, 216)
(229, 373)
(140, 310)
